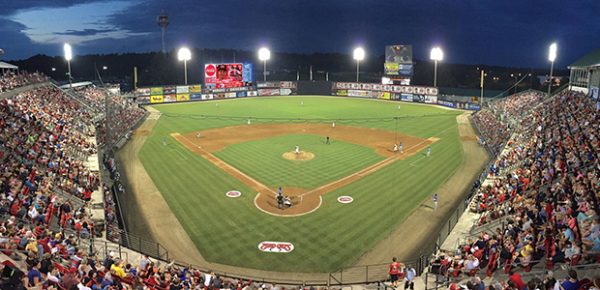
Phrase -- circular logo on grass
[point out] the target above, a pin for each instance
(276, 247)
(345, 199)
(233, 193)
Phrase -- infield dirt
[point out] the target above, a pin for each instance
(205, 143)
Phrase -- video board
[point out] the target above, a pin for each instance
(227, 75)
(398, 60)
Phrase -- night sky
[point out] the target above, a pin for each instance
(494, 32)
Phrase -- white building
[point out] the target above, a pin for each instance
(585, 74)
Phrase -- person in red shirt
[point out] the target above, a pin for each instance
(516, 279)
(395, 271)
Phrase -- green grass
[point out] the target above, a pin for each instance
(263, 160)
(228, 230)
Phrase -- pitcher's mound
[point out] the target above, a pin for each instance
(302, 156)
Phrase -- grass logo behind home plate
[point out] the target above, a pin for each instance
(233, 193)
(276, 247)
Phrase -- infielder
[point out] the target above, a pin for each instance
(333, 124)
(428, 151)
(395, 148)
(297, 149)
(435, 201)
(401, 147)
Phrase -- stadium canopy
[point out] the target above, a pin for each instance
(75, 85)
(7, 66)
(585, 73)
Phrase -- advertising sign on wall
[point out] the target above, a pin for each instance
(156, 91)
(183, 97)
(170, 98)
(195, 89)
(156, 99)
(183, 89)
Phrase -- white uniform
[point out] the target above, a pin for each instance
(395, 147)
(333, 125)
(297, 149)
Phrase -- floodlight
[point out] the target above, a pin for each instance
(184, 54)
(68, 52)
(552, 52)
(359, 54)
(264, 54)
(436, 54)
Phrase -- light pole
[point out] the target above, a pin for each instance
(359, 55)
(264, 54)
(68, 56)
(551, 58)
(436, 55)
(184, 54)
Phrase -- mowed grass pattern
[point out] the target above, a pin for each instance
(228, 230)
(263, 160)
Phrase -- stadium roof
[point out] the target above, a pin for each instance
(5, 65)
(588, 60)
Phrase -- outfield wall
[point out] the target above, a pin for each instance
(416, 94)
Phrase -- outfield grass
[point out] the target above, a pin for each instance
(262, 159)
(228, 230)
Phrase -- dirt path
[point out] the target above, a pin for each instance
(308, 201)
(421, 225)
(150, 214)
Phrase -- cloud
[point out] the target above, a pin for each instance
(85, 32)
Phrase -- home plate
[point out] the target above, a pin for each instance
(345, 199)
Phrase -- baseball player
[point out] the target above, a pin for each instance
(435, 201)
(401, 147)
(333, 124)
(297, 149)
(428, 151)
(395, 148)
(164, 141)
(327, 140)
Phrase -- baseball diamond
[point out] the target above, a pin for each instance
(212, 149)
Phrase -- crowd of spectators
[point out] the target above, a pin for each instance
(11, 80)
(497, 123)
(546, 186)
(123, 115)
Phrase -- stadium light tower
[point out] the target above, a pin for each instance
(264, 54)
(163, 21)
(551, 58)
(358, 55)
(68, 56)
(436, 55)
(184, 54)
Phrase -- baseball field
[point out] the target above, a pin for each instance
(195, 153)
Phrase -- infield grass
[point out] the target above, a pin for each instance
(228, 230)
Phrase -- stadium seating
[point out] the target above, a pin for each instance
(545, 184)
(10, 80)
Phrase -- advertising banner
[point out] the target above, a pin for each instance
(268, 92)
(170, 98)
(391, 68)
(388, 88)
(447, 103)
(594, 92)
(195, 89)
(385, 95)
(473, 107)
(261, 85)
(183, 89)
(240, 94)
(285, 92)
(142, 91)
(252, 93)
(287, 85)
(430, 99)
(195, 96)
(406, 97)
(143, 100)
(183, 97)
(156, 99)
(357, 93)
(341, 93)
(169, 90)
(156, 91)
(227, 75)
